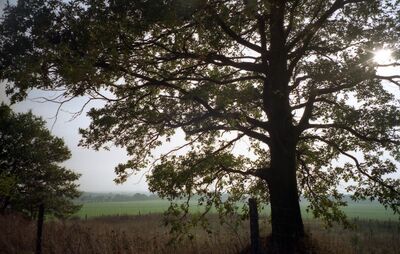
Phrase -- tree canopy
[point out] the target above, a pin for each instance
(30, 173)
(294, 82)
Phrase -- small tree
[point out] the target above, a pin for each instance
(294, 79)
(29, 170)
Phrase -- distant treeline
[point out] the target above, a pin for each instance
(114, 197)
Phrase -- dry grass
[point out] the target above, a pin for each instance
(145, 234)
(369, 237)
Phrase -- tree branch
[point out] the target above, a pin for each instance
(235, 36)
(309, 105)
(395, 79)
(308, 33)
(356, 162)
(352, 131)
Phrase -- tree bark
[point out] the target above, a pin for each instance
(287, 224)
(286, 220)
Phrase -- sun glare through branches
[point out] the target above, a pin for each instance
(383, 56)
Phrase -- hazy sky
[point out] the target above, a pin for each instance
(96, 167)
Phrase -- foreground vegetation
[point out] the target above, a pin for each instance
(146, 234)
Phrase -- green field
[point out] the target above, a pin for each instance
(370, 211)
(95, 209)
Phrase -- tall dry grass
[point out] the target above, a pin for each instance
(368, 236)
(146, 234)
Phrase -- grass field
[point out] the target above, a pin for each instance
(137, 227)
(145, 234)
(95, 209)
(354, 210)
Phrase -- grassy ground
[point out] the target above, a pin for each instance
(354, 210)
(145, 234)
(377, 232)
(122, 208)
(369, 211)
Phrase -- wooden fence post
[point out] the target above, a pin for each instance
(254, 228)
(39, 229)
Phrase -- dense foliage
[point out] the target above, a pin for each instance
(30, 173)
(275, 99)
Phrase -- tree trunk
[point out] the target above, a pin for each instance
(4, 204)
(254, 227)
(287, 224)
(39, 231)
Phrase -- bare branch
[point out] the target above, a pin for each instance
(395, 79)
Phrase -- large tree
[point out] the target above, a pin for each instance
(294, 80)
(30, 174)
